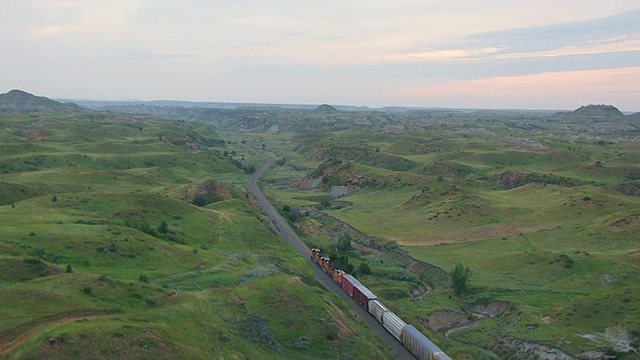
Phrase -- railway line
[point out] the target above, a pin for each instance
(398, 350)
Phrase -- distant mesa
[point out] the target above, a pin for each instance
(593, 111)
(21, 101)
(325, 109)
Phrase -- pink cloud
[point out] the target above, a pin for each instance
(553, 90)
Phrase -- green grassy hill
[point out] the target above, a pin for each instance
(103, 254)
(20, 101)
(546, 219)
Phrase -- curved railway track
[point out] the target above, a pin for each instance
(399, 351)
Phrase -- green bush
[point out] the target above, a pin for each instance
(459, 279)
(364, 268)
(164, 227)
(303, 342)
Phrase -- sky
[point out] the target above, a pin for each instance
(544, 54)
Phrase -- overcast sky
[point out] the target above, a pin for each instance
(544, 54)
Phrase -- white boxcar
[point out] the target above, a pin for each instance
(393, 324)
(420, 346)
(377, 309)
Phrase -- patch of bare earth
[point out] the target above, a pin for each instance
(343, 331)
(449, 322)
(526, 144)
(206, 192)
(9, 342)
(443, 320)
(159, 342)
(624, 222)
(513, 348)
(493, 309)
(35, 135)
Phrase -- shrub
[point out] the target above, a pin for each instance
(294, 213)
(87, 290)
(143, 278)
(69, 268)
(364, 268)
(164, 227)
(344, 244)
(257, 273)
(175, 239)
(53, 257)
(303, 342)
(249, 168)
(459, 279)
(256, 328)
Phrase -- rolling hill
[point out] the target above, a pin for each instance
(128, 237)
(21, 101)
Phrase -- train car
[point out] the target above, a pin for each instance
(318, 257)
(336, 274)
(377, 309)
(393, 324)
(325, 264)
(420, 346)
(348, 283)
(362, 296)
(388, 319)
(315, 255)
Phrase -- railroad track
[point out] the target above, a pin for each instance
(289, 235)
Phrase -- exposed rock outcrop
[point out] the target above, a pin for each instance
(207, 192)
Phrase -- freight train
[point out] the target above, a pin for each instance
(410, 337)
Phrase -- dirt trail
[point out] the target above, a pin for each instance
(460, 328)
(8, 347)
(158, 341)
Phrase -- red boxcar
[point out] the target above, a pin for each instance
(348, 283)
(362, 295)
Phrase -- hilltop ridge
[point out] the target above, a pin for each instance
(325, 109)
(591, 110)
(22, 101)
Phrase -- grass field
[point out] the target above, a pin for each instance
(102, 257)
(547, 223)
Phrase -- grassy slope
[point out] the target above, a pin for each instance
(576, 260)
(220, 275)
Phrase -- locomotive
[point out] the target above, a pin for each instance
(410, 337)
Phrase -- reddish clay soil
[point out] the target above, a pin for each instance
(35, 135)
(7, 346)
